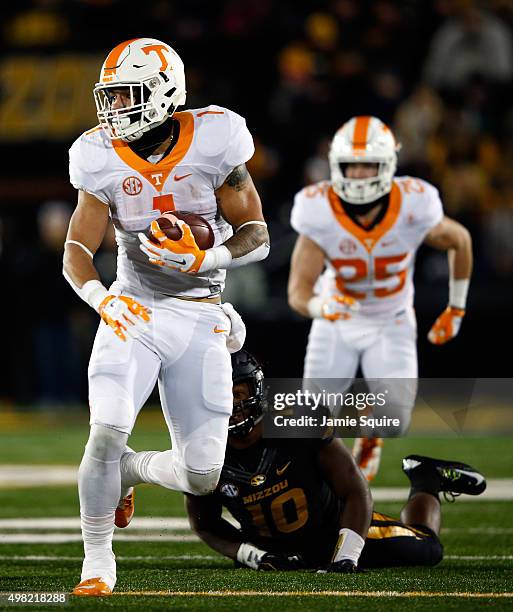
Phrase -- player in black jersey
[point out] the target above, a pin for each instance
(305, 504)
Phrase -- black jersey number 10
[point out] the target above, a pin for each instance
(280, 520)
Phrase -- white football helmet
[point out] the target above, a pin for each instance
(363, 139)
(153, 74)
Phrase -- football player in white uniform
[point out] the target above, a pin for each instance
(162, 319)
(363, 229)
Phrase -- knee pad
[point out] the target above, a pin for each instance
(105, 444)
(202, 462)
(198, 483)
(203, 454)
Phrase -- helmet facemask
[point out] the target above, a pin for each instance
(362, 190)
(145, 111)
(363, 140)
(247, 412)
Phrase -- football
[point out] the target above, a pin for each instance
(200, 227)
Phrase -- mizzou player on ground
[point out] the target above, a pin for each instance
(352, 272)
(162, 320)
(305, 504)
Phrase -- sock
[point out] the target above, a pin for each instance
(99, 486)
(427, 482)
(153, 467)
(99, 560)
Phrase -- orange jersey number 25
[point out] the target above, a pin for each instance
(356, 270)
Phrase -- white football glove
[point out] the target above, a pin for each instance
(124, 315)
(183, 255)
(333, 308)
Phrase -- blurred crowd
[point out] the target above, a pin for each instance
(440, 73)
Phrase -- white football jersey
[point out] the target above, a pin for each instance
(211, 143)
(374, 266)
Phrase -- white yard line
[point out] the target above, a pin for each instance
(162, 524)
(20, 476)
(64, 538)
(123, 558)
(151, 523)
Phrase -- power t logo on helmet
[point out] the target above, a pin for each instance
(365, 140)
(151, 76)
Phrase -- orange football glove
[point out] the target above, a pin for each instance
(338, 307)
(124, 315)
(447, 326)
(183, 255)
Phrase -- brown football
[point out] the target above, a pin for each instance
(200, 227)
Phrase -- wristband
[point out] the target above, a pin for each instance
(349, 546)
(216, 258)
(92, 291)
(250, 555)
(315, 306)
(458, 289)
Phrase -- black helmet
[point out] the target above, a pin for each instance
(246, 369)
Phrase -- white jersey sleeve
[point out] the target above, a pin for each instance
(430, 210)
(224, 141)
(87, 161)
(307, 214)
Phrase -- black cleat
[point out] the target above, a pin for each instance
(452, 477)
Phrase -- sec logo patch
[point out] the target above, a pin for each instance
(347, 246)
(230, 490)
(132, 185)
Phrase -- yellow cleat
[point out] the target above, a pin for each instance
(125, 510)
(367, 454)
(92, 587)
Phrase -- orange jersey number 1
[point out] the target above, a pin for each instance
(164, 203)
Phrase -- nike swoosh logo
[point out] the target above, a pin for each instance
(279, 471)
(218, 330)
(478, 477)
(181, 263)
(179, 178)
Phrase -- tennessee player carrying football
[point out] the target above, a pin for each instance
(305, 504)
(162, 319)
(352, 271)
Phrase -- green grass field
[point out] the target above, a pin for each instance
(167, 569)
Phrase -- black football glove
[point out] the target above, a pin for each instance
(283, 562)
(345, 566)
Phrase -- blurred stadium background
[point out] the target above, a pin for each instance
(441, 73)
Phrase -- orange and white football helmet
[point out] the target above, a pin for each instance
(363, 139)
(154, 76)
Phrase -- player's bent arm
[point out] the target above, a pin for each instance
(85, 234)
(451, 236)
(205, 518)
(240, 205)
(347, 482)
(306, 266)
(86, 231)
